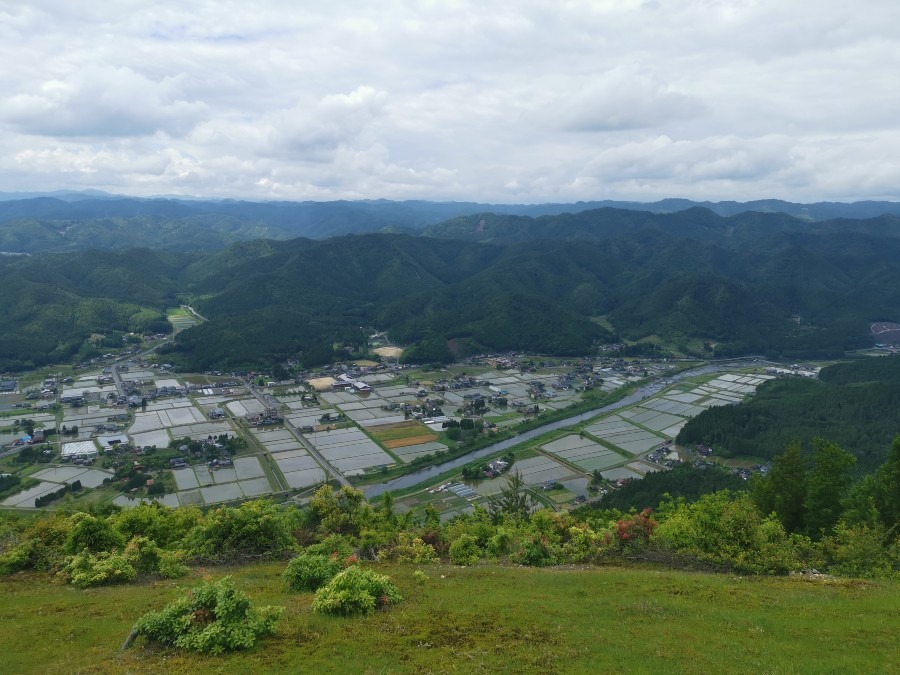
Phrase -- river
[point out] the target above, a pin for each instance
(646, 391)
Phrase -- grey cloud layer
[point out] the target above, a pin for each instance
(501, 101)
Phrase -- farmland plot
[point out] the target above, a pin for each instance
(353, 458)
(402, 434)
(538, 470)
(584, 453)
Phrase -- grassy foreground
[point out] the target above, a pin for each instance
(485, 619)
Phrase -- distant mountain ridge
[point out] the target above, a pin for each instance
(68, 221)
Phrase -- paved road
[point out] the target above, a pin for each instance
(117, 378)
(646, 391)
(269, 402)
(338, 476)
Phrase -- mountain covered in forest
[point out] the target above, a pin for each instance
(753, 283)
(855, 404)
(69, 221)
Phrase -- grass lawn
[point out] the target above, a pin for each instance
(485, 619)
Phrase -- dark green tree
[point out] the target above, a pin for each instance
(783, 491)
(513, 502)
(887, 487)
(827, 485)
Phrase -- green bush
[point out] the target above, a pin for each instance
(727, 529)
(859, 551)
(465, 550)
(414, 550)
(211, 618)
(311, 572)
(148, 558)
(334, 545)
(536, 551)
(88, 569)
(162, 524)
(16, 559)
(256, 528)
(356, 591)
(171, 565)
(45, 541)
(92, 533)
(583, 544)
(500, 544)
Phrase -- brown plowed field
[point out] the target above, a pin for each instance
(401, 434)
(412, 440)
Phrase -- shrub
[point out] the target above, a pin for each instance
(171, 565)
(93, 534)
(143, 554)
(147, 557)
(859, 551)
(356, 591)
(311, 572)
(727, 529)
(45, 540)
(414, 550)
(334, 545)
(211, 618)
(256, 528)
(536, 551)
(465, 550)
(636, 530)
(16, 559)
(582, 544)
(420, 577)
(88, 569)
(500, 544)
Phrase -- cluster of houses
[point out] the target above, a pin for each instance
(664, 455)
(347, 383)
(268, 417)
(794, 370)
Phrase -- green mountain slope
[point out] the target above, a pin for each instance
(856, 405)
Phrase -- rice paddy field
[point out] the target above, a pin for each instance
(484, 619)
(181, 319)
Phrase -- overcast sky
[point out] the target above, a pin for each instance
(521, 101)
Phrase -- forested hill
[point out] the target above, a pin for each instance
(452, 297)
(81, 221)
(55, 307)
(749, 228)
(789, 294)
(854, 404)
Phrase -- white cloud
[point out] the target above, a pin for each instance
(518, 100)
(100, 101)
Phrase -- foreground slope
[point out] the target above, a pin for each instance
(487, 619)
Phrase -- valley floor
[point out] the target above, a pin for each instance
(485, 619)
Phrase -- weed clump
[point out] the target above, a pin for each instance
(356, 591)
(212, 618)
(311, 572)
